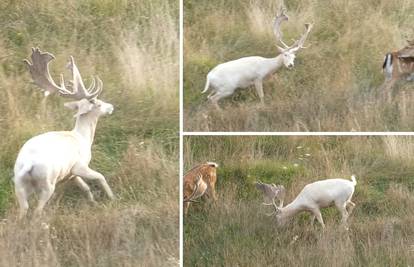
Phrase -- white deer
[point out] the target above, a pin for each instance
(225, 78)
(317, 195)
(49, 158)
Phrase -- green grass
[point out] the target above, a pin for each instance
(127, 44)
(234, 231)
(335, 83)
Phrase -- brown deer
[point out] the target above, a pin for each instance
(199, 181)
(397, 66)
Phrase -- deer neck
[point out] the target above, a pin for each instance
(290, 210)
(85, 127)
(273, 64)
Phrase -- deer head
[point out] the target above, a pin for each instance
(85, 98)
(288, 52)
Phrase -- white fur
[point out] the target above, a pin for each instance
(321, 194)
(225, 78)
(49, 158)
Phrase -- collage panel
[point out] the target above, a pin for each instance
(298, 200)
(75, 190)
(296, 66)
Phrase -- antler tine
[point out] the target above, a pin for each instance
(276, 26)
(39, 70)
(274, 205)
(79, 90)
(299, 43)
(98, 89)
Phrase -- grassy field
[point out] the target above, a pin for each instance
(234, 231)
(128, 44)
(335, 83)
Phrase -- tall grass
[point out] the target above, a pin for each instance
(133, 47)
(234, 231)
(335, 83)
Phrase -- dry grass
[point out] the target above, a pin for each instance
(235, 231)
(335, 83)
(128, 44)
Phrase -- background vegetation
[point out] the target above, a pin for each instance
(335, 83)
(128, 44)
(234, 231)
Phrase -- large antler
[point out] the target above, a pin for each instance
(298, 44)
(272, 192)
(79, 91)
(276, 26)
(39, 70)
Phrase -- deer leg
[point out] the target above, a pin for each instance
(45, 192)
(212, 192)
(88, 173)
(219, 95)
(351, 208)
(318, 215)
(85, 187)
(259, 88)
(22, 195)
(312, 220)
(186, 206)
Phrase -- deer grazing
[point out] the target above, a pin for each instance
(199, 181)
(397, 66)
(317, 195)
(225, 78)
(49, 158)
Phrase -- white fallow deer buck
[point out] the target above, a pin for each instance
(317, 195)
(52, 157)
(398, 65)
(225, 78)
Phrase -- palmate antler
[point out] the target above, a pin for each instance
(39, 70)
(298, 44)
(272, 191)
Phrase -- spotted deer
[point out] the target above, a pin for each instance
(199, 181)
(398, 65)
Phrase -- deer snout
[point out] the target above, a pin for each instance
(110, 109)
(290, 65)
(107, 109)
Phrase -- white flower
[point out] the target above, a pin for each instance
(295, 165)
(307, 155)
(284, 167)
